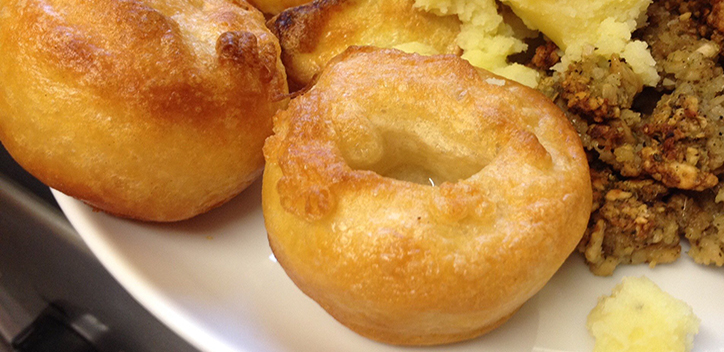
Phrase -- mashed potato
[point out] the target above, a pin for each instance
(602, 26)
(580, 28)
(639, 316)
(486, 39)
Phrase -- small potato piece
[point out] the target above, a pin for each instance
(639, 316)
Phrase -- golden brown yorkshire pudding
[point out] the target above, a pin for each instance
(154, 110)
(276, 6)
(313, 34)
(419, 201)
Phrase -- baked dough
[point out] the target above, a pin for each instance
(151, 109)
(354, 219)
(274, 7)
(313, 34)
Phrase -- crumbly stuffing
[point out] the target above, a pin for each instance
(545, 56)
(633, 222)
(657, 152)
(703, 217)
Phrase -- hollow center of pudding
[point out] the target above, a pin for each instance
(416, 150)
(407, 157)
(415, 174)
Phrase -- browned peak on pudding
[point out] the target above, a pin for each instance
(274, 7)
(154, 110)
(356, 224)
(313, 34)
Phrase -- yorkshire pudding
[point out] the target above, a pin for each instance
(419, 201)
(152, 110)
(312, 34)
(274, 7)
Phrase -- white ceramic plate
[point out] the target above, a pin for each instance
(213, 281)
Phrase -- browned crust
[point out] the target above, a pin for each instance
(273, 7)
(312, 34)
(299, 28)
(136, 47)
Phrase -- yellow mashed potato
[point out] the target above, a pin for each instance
(601, 27)
(486, 39)
(640, 317)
